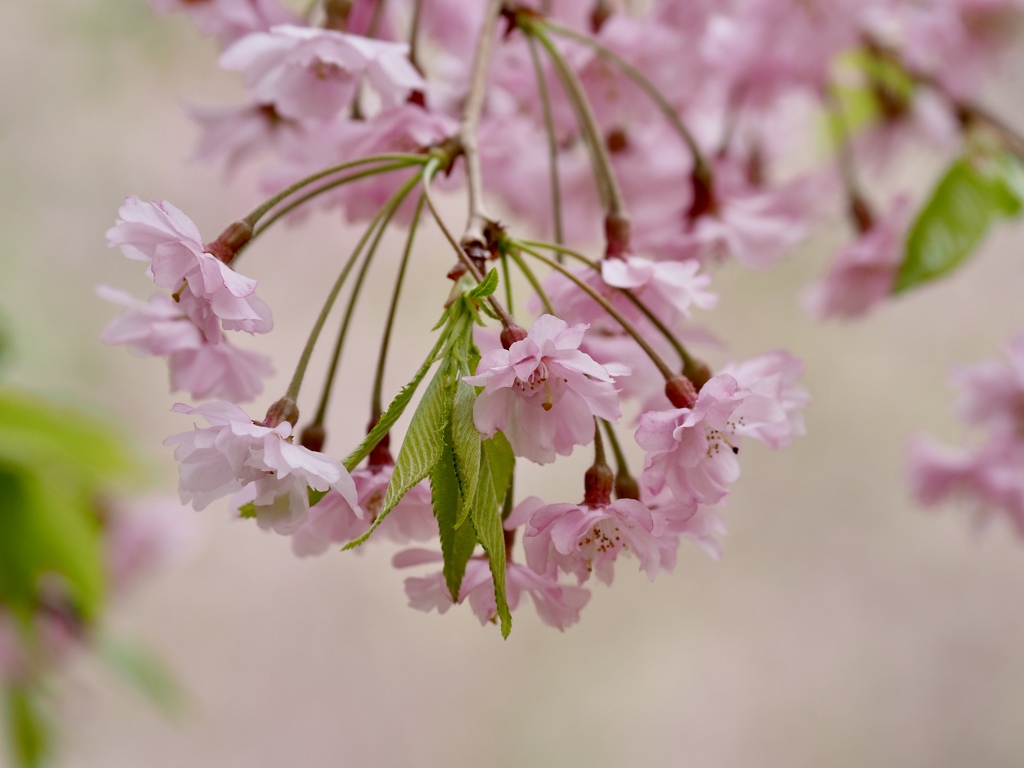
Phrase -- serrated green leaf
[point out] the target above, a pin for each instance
(496, 465)
(143, 671)
(394, 411)
(465, 439)
(421, 448)
(485, 288)
(457, 545)
(29, 732)
(967, 201)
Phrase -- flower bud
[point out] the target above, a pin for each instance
(313, 437)
(680, 392)
(511, 334)
(283, 410)
(616, 233)
(597, 485)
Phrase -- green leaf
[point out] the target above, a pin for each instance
(465, 440)
(394, 411)
(421, 448)
(971, 196)
(48, 525)
(34, 432)
(143, 671)
(28, 730)
(496, 465)
(486, 288)
(457, 545)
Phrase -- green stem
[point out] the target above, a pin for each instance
(604, 173)
(321, 412)
(507, 278)
(385, 213)
(549, 128)
(414, 35)
(689, 363)
(378, 378)
(699, 161)
(534, 282)
(467, 262)
(613, 440)
(652, 353)
(391, 157)
(281, 212)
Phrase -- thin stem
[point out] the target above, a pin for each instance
(549, 128)
(378, 377)
(386, 211)
(689, 363)
(292, 205)
(533, 281)
(699, 161)
(339, 343)
(507, 279)
(467, 262)
(599, 457)
(414, 35)
(657, 359)
(373, 28)
(847, 165)
(472, 110)
(613, 441)
(604, 172)
(390, 157)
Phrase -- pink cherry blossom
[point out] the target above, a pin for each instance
(993, 391)
(259, 464)
(333, 520)
(558, 605)
(772, 411)
(312, 74)
(988, 479)
(689, 450)
(583, 538)
(144, 534)
(700, 524)
(228, 20)
(543, 393)
(239, 134)
(159, 233)
(200, 364)
(864, 271)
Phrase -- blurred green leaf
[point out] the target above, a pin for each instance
(143, 671)
(973, 194)
(28, 729)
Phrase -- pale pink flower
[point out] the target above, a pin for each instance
(333, 520)
(772, 411)
(260, 464)
(668, 289)
(200, 360)
(993, 391)
(219, 370)
(235, 135)
(144, 534)
(543, 392)
(558, 605)
(864, 272)
(689, 450)
(229, 20)
(313, 74)
(989, 479)
(584, 538)
(700, 523)
(160, 234)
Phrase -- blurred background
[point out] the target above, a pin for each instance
(844, 626)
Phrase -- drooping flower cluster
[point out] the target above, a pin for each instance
(988, 476)
(656, 133)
